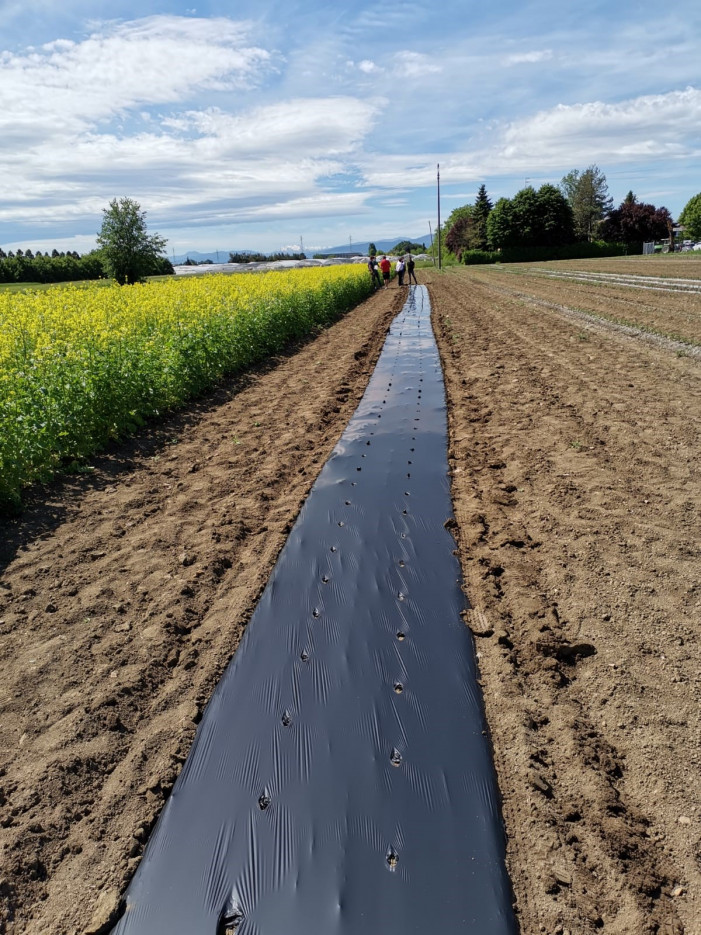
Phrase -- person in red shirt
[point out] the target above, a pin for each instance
(385, 266)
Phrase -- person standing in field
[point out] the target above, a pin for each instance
(400, 270)
(374, 272)
(410, 270)
(385, 266)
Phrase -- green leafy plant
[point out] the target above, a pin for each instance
(81, 366)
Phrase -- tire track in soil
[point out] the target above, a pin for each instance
(559, 573)
(123, 596)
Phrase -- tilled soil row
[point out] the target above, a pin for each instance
(124, 595)
(678, 266)
(659, 284)
(574, 474)
(675, 314)
(597, 321)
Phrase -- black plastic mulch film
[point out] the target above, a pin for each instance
(341, 779)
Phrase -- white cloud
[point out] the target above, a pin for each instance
(311, 127)
(563, 137)
(414, 65)
(61, 163)
(520, 58)
(81, 243)
(157, 60)
(319, 205)
(205, 123)
(649, 125)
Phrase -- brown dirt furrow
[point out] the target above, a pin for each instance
(123, 596)
(575, 473)
(596, 321)
(677, 266)
(677, 315)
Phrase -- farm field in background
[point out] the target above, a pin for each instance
(82, 365)
(662, 264)
(661, 296)
(687, 265)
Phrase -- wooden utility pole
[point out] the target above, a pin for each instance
(438, 177)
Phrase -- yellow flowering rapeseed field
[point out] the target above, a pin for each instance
(79, 366)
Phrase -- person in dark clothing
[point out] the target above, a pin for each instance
(410, 270)
(374, 272)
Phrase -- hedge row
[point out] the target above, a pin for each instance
(573, 251)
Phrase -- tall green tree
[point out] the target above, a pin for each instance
(130, 253)
(588, 195)
(531, 219)
(464, 211)
(502, 230)
(690, 218)
(555, 217)
(477, 234)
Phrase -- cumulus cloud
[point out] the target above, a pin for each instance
(561, 138)
(366, 67)
(161, 109)
(102, 134)
(647, 125)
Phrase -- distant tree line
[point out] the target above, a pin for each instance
(574, 219)
(261, 257)
(399, 249)
(26, 266)
(127, 253)
(406, 246)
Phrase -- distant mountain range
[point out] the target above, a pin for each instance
(222, 256)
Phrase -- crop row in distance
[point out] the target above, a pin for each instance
(79, 367)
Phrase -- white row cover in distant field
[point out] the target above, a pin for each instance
(277, 265)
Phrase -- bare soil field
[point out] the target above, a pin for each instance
(655, 303)
(575, 459)
(574, 455)
(670, 265)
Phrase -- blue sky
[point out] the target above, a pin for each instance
(249, 125)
